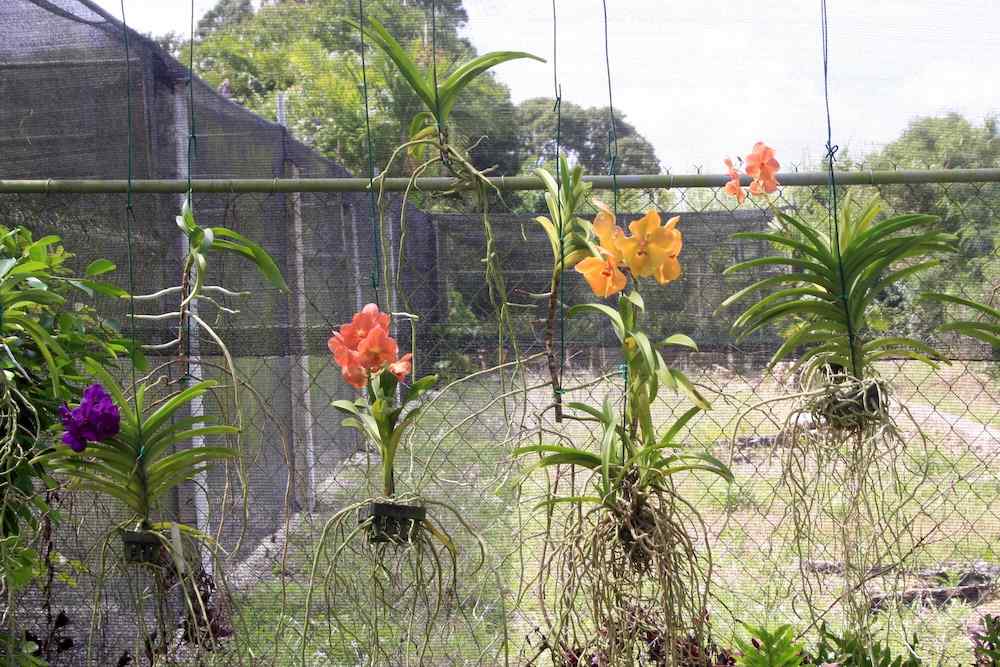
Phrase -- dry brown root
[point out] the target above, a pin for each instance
(384, 602)
(852, 485)
(630, 583)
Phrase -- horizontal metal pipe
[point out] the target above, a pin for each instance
(440, 184)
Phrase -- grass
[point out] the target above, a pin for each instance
(464, 458)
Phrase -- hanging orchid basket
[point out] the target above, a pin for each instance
(391, 522)
(142, 546)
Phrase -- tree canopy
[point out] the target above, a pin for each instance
(584, 133)
(308, 52)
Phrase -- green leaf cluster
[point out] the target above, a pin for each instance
(985, 329)
(770, 648)
(822, 290)
(46, 328)
(438, 97)
(631, 443)
(568, 234)
(202, 240)
(147, 458)
(850, 650)
(383, 421)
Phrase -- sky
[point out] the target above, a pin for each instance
(705, 79)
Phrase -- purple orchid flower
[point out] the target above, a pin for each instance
(96, 420)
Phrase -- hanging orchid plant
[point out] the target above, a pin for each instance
(626, 547)
(117, 445)
(395, 524)
(820, 290)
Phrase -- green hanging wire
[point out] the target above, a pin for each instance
(192, 149)
(376, 236)
(434, 67)
(613, 172)
(130, 224)
(831, 151)
(192, 135)
(557, 88)
(612, 132)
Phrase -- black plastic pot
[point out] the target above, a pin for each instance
(390, 522)
(142, 547)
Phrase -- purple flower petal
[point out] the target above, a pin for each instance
(96, 419)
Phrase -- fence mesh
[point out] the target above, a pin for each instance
(62, 83)
(302, 466)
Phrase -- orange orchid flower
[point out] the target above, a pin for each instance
(363, 347)
(608, 233)
(650, 244)
(762, 168)
(733, 188)
(603, 275)
(670, 269)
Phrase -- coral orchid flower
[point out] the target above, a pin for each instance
(603, 275)
(650, 244)
(378, 349)
(403, 367)
(733, 188)
(762, 168)
(363, 347)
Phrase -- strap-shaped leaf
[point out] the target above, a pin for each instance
(607, 311)
(820, 253)
(376, 32)
(449, 90)
(679, 423)
(253, 251)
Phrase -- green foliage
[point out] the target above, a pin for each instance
(766, 648)
(851, 651)
(567, 233)
(139, 466)
(632, 446)
(826, 299)
(308, 53)
(202, 240)
(44, 333)
(584, 134)
(16, 652)
(437, 94)
(224, 14)
(967, 210)
(986, 329)
(987, 642)
(379, 419)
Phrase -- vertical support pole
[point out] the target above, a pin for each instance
(300, 386)
(197, 406)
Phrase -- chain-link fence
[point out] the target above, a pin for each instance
(302, 466)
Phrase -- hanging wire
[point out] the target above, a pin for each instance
(376, 236)
(192, 149)
(612, 132)
(130, 224)
(557, 88)
(613, 172)
(434, 66)
(831, 151)
(192, 135)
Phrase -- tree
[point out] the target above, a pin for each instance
(584, 135)
(968, 210)
(225, 13)
(307, 52)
